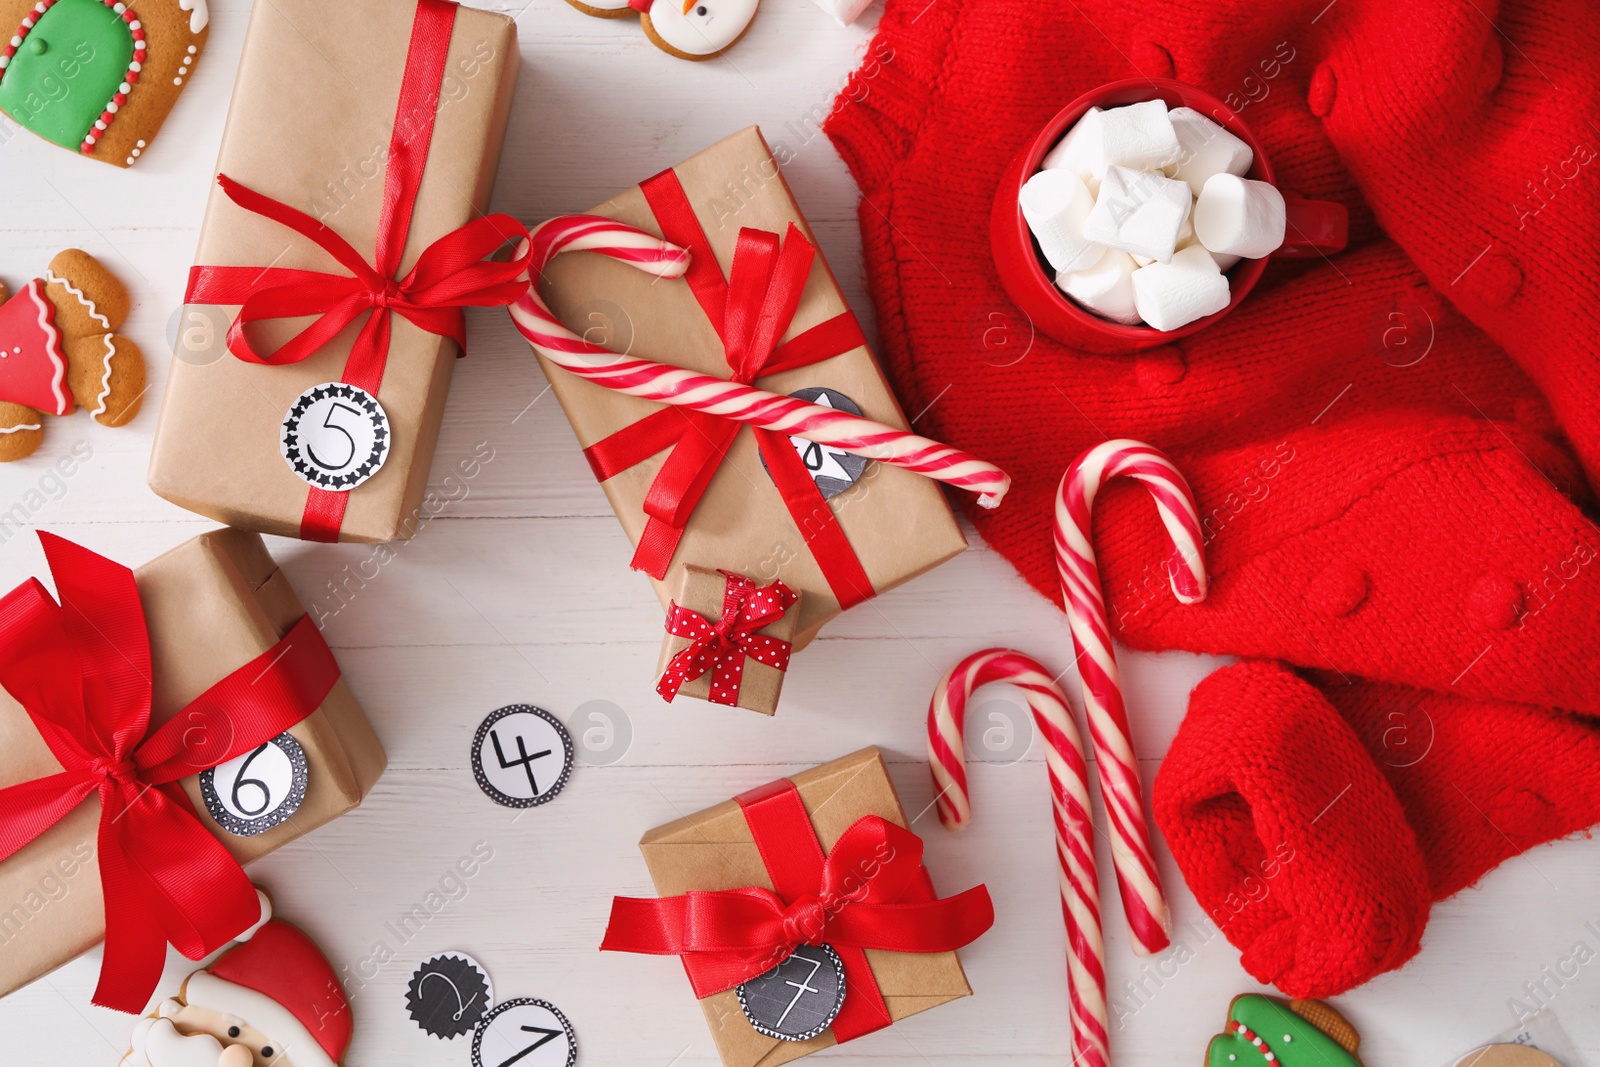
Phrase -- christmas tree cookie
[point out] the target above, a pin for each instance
(1267, 1032)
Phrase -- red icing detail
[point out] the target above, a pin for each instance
(132, 78)
(281, 962)
(32, 353)
(120, 99)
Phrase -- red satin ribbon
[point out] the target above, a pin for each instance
(871, 891)
(722, 647)
(750, 310)
(81, 669)
(452, 273)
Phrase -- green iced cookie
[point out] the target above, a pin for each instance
(1276, 1036)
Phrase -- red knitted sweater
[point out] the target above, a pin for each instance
(1390, 448)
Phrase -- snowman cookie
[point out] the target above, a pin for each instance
(59, 348)
(273, 999)
(1268, 1032)
(97, 76)
(688, 29)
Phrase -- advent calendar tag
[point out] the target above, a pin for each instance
(521, 756)
(799, 998)
(256, 791)
(335, 436)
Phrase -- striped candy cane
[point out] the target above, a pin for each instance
(716, 396)
(1069, 790)
(1137, 877)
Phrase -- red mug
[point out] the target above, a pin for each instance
(1315, 227)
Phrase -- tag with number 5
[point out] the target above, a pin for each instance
(335, 436)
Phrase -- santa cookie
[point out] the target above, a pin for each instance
(688, 29)
(96, 76)
(273, 999)
(58, 348)
(1267, 1032)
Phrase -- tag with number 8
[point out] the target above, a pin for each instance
(335, 436)
(253, 792)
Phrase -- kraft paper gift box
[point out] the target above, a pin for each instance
(897, 522)
(310, 125)
(757, 684)
(715, 849)
(212, 605)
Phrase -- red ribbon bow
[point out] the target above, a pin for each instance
(450, 274)
(722, 647)
(870, 891)
(750, 310)
(81, 670)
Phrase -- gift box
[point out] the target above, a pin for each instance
(868, 526)
(728, 640)
(341, 113)
(754, 887)
(227, 638)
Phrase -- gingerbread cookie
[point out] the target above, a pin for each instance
(273, 999)
(1268, 1032)
(1506, 1056)
(688, 29)
(59, 346)
(96, 76)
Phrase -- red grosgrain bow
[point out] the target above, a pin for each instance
(721, 647)
(452, 273)
(81, 670)
(871, 892)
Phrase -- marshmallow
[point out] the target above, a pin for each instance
(1079, 151)
(1224, 261)
(1206, 148)
(1106, 288)
(1138, 136)
(1239, 217)
(1055, 204)
(1170, 295)
(1139, 212)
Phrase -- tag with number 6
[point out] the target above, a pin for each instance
(253, 792)
(335, 436)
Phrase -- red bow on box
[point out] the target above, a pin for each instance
(871, 891)
(722, 647)
(81, 670)
(450, 274)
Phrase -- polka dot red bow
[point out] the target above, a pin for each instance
(722, 646)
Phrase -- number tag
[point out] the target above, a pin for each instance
(335, 436)
(799, 998)
(832, 470)
(252, 793)
(449, 995)
(521, 756)
(524, 1033)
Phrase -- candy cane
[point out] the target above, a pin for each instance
(716, 396)
(1137, 877)
(1069, 789)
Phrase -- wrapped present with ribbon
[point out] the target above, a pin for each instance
(342, 242)
(158, 729)
(829, 491)
(728, 640)
(802, 913)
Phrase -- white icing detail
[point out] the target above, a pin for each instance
(78, 294)
(193, 50)
(16, 42)
(112, 107)
(199, 14)
(124, 88)
(99, 124)
(135, 25)
(105, 378)
(168, 1008)
(4, 62)
(177, 81)
(288, 1035)
(120, 8)
(701, 27)
(140, 142)
(266, 917)
(158, 1043)
(136, 66)
(53, 345)
(24, 426)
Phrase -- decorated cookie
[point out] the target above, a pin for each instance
(273, 999)
(1506, 1056)
(58, 348)
(1267, 1032)
(688, 29)
(96, 76)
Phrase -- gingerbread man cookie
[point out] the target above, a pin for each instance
(1268, 1032)
(96, 76)
(688, 29)
(59, 346)
(273, 999)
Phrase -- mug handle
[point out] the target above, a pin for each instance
(1315, 228)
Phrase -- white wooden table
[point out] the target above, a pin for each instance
(520, 593)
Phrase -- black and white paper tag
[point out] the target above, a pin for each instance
(335, 436)
(833, 471)
(252, 793)
(449, 995)
(799, 998)
(524, 1033)
(521, 756)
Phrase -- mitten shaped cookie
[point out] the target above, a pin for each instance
(59, 347)
(271, 999)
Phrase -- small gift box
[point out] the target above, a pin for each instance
(362, 141)
(728, 640)
(163, 725)
(694, 488)
(781, 903)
